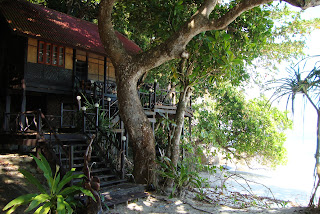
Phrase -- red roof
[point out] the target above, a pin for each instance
(50, 25)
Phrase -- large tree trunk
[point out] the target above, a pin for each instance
(138, 127)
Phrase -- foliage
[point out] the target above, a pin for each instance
(83, 9)
(299, 81)
(59, 199)
(183, 175)
(245, 129)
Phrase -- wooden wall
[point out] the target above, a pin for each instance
(95, 62)
(68, 63)
(32, 50)
(96, 68)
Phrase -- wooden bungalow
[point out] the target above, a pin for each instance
(50, 65)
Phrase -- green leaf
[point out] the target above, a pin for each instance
(32, 180)
(61, 208)
(67, 178)
(46, 164)
(68, 207)
(43, 209)
(226, 36)
(55, 183)
(43, 165)
(72, 189)
(216, 35)
(37, 200)
(180, 2)
(23, 199)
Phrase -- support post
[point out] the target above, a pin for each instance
(23, 105)
(71, 152)
(96, 105)
(95, 91)
(39, 122)
(109, 108)
(74, 68)
(154, 93)
(104, 81)
(7, 114)
(61, 113)
(84, 119)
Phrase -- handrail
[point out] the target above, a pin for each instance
(38, 120)
(99, 129)
(52, 130)
(120, 148)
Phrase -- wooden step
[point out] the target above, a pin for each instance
(106, 176)
(152, 120)
(78, 145)
(112, 182)
(118, 130)
(100, 170)
(122, 193)
(148, 112)
(79, 151)
(94, 164)
(72, 137)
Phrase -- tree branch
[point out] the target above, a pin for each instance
(304, 4)
(233, 13)
(112, 44)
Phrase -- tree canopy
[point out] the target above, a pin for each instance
(245, 129)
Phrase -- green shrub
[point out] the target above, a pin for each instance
(55, 198)
(183, 175)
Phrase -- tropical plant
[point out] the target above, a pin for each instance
(183, 175)
(59, 199)
(306, 83)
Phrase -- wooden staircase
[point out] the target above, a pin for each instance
(113, 188)
(75, 159)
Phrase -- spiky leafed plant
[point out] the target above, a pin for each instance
(306, 83)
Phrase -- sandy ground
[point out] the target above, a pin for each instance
(13, 184)
(161, 204)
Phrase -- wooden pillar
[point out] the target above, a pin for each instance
(23, 104)
(39, 121)
(84, 125)
(71, 159)
(105, 80)
(23, 84)
(74, 67)
(154, 94)
(7, 114)
(97, 119)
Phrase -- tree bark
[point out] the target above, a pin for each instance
(139, 129)
(179, 119)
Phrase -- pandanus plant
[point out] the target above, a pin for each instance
(306, 83)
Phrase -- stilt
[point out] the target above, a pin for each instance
(7, 114)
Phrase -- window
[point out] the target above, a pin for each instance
(55, 55)
(41, 52)
(50, 54)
